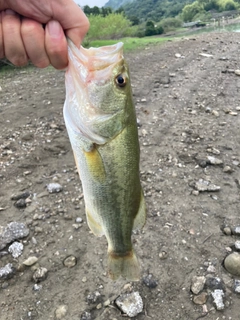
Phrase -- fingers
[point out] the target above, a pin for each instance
(11, 33)
(33, 38)
(73, 20)
(56, 45)
(1, 38)
(78, 33)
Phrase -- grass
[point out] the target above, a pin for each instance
(10, 68)
(130, 44)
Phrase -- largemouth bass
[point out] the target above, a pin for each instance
(101, 124)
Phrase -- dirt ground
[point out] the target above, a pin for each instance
(188, 109)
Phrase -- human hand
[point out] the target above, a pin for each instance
(22, 36)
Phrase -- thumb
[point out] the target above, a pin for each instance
(73, 21)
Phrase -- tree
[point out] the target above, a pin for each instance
(87, 10)
(106, 11)
(120, 10)
(150, 28)
(191, 10)
(95, 11)
(135, 20)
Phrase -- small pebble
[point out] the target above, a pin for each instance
(204, 185)
(233, 113)
(54, 187)
(232, 263)
(214, 161)
(236, 230)
(70, 261)
(236, 287)
(130, 303)
(21, 203)
(215, 113)
(79, 220)
(38, 229)
(237, 244)
(211, 269)
(30, 261)
(40, 274)
(94, 297)
(86, 316)
(7, 271)
(61, 311)
(227, 231)
(13, 231)
(107, 303)
(218, 295)
(5, 285)
(214, 283)
(163, 255)
(23, 195)
(76, 226)
(227, 169)
(149, 281)
(37, 287)
(197, 284)
(195, 192)
(201, 298)
(16, 249)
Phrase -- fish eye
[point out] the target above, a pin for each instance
(121, 80)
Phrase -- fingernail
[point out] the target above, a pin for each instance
(54, 28)
(10, 12)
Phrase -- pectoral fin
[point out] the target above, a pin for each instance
(95, 165)
(77, 164)
(94, 225)
(140, 218)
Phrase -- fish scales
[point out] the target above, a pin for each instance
(101, 123)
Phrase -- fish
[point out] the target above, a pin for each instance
(100, 118)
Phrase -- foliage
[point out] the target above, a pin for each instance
(199, 8)
(157, 10)
(227, 5)
(169, 24)
(112, 26)
(151, 29)
(135, 20)
(97, 11)
(116, 4)
(209, 4)
(154, 9)
(191, 10)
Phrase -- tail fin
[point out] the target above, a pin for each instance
(126, 266)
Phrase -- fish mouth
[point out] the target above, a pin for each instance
(94, 59)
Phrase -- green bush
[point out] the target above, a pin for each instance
(227, 5)
(159, 30)
(112, 26)
(169, 24)
(151, 29)
(191, 10)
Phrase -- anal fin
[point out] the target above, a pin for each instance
(94, 225)
(140, 218)
(95, 165)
